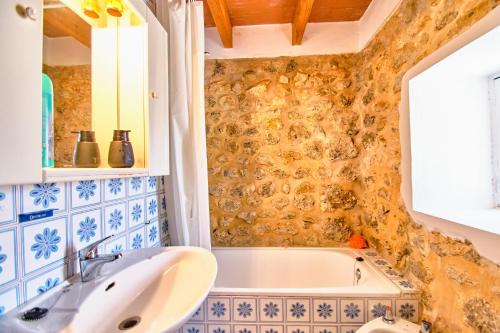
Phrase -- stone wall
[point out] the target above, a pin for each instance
(303, 151)
(280, 144)
(72, 108)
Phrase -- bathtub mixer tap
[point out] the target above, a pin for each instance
(388, 317)
(91, 261)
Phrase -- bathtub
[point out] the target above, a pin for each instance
(300, 290)
(298, 271)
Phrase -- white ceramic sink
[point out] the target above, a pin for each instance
(399, 326)
(161, 286)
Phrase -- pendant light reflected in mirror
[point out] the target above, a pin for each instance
(114, 8)
(91, 8)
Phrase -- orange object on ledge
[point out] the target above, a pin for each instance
(357, 242)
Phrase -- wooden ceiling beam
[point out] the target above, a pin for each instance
(222, 20)
(59, 22)
(300, 19)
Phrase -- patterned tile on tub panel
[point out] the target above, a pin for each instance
(136, 239)
(43, 243)
(352, 311)
(85, 228)
(245, 328)
(349, 329)
(7, 204)
(216, 328)
(151, 184)
(85, 193)
(117, 245)
(114, 189)
(114, 219)
(9, 299)
(407, 309)
(376, 308)
(162, 204)
(298, 329)
(193, 328)
(405, 286)
(297, 310)
(151, 207)
(37, 197)
(199, 315)
(324, 329)
(8, 256)
(135, 186)
(271, 329)
(42, 283)
(136, 212)
(324, 310)
(218, 309)
(152, 233)
(244, 309)
(271, 309)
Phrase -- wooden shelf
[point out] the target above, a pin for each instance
(72, 174)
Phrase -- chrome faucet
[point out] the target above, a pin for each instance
(426, 327)
(91, 261)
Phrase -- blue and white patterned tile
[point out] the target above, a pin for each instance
(271, 309)
(43, 196)
(7, 204)
(114, 189)
(216, 328)
(136, 239)
(193, 328)
(391, 273)
(245, 329)
(297, 310)
(381, 263)
(199, 315)
(218, 309)
(85, 228)
(136, 212)
(405, 286)
(152, 184)
(43, 243)
(376, 307)
(9, 299)
(244, 309)
(152, 233)
(44, 282)
(298, 329)
(325, 310)
(164, 229)
(271, 329)
(352, 311)
(115, 219)
(136, 186)
(407, 309)
(163, 204)
(117, 245)
(151, 207)
(325, 329)
(85, 193)
(349, 329)
(8, 256)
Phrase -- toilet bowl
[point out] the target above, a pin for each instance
(399, 326)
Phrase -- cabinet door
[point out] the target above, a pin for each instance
(158, 152)
(20, 91)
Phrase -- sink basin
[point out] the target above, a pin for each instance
(399, 326)
(147, 290)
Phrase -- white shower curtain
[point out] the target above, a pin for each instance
(187, 185)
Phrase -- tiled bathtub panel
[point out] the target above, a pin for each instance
(343, 314)
(27, 268)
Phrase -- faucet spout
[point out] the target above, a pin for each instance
(91, 261)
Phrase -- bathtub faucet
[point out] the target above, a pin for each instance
(388, 317)
(91, 261)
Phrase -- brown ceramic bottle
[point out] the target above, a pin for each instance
(121, 154)
(86, 154)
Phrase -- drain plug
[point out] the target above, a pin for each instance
(129, 323)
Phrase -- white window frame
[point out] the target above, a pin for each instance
(494, 95)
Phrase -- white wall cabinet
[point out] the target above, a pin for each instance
(21, 96)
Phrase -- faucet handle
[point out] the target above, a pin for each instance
(91, 251)
(388, 317)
